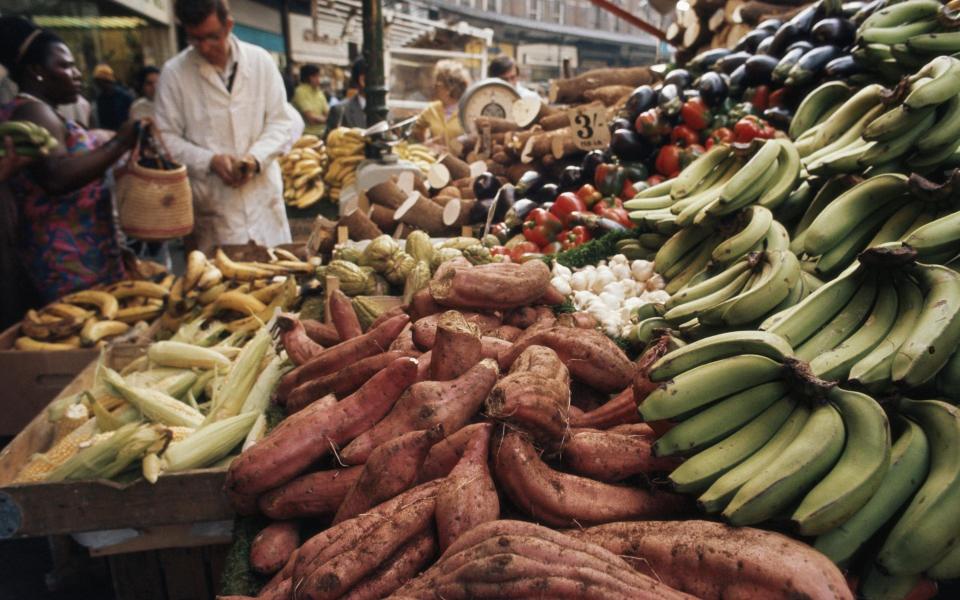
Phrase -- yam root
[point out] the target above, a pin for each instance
(712, 561)
(610, 456)
(398, 310)
(490, 287)
(619, 410)
(272, 547)
(458, 169)
(590, 355)
(312, 495)
(423, 214)
(425, 329)
(404, 342)
(561, 499)
(468, 496)
(383, 217)
(445, 454)
(343, 382)
(507, 333)
(496, 125)
(423, 305)
(642, 386)
(324, 334)
(343, 316)
(360, 226)
(610, 95)
(310, 434)
(579, 320)
(572, 90)
(294, 339)
(450, 403)
(387, 194)
(400, 568)
(456, 347)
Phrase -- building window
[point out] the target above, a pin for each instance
(494, 5)
(535, 9)
(562, 13)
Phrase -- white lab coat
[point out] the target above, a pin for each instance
(198, 118)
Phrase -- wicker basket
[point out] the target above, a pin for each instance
(154, 204)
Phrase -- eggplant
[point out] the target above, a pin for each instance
(678, 77)
(848, 9)
(842, 67)
(505, 199)
(641, 99)
(735, 84)
(628, 146)
(773, 24)
(705, 60)
(811, 64)
(765, 45)
(589, 164)
(571, 178)
(759, 69)
(690, 94)
(517, 213)
(713, 88)
(729, 63)
(833, 31)
(529, 183)
(779, 117)
(786, 63)
(750, 41)
(478, 214)
(804, 44)
(485, 186)
(866, 10)
(805, 19)
(668, 99)
(786, 35)
(620, 123)
(595, 223)
(547, 193)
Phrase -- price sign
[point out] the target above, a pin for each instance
(590, 128)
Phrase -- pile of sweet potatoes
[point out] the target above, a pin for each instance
(405, 443)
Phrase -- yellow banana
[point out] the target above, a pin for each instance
(62, 309)
(238, 302)
(136, 314)
(137, 289)
(105, 302)
(238, 271)
(28, 344)
(196, 262)
(93, 331)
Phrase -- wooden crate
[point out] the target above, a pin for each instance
(41, 509)
(170, 574)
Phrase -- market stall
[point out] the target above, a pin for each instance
(682, 331)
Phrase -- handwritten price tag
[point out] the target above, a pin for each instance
(590, 128)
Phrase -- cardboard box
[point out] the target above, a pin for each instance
(33, 379)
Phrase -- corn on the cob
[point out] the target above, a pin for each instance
(108, 420)
(41, 464)
(239, 381)
(208, 444)
(259, 397)
(186, 356)
(151, 467)
(75, 416)
(110, 454)
(178, 384)
(154, 404)
(256, 433)
(200, 385)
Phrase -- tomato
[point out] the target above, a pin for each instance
(778, 97)
(652, 125)
(518, 251)
(761, 98)
(589, 194)
(668, 161)
(695, 114)
(553, 248)
(541, 227)
(684, 136)
(751, 127)
(617, 214)
(655, 179)
(721, 135)
(565, 204)
(500, 251)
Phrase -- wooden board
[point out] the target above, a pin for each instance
(174, 574)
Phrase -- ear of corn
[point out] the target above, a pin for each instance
(42, 464)
(208, 444)
(259, 397)
(154, 404)
(200, 385)
(239, 381)
(256, 433)
(109, 454)
(186, 356)
(177, 385)
(73, 417)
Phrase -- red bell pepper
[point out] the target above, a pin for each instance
(575, 237)
(695, 114)
(761, 98)
(541, 227)
(684, 136)
(652, 125)
(750, 128)
(720, 135)
(553, 247)
(668, 161)
(589, 194)
(565, 204)
(778, 97)
(522, 249)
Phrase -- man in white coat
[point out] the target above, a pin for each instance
(221, 109)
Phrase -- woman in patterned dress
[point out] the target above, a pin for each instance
(67, 238)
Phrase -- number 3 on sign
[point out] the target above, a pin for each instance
(590, 127)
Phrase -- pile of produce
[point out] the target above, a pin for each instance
(29, 139)
(303, 169)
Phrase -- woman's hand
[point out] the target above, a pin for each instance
(129, 131)
(11, 162)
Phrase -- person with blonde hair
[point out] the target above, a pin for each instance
(440, 121)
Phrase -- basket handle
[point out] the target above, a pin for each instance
(148, 128)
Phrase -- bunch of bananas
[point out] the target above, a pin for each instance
(418, 154)
(345, 147)
(29, 139)
(303, 169)
(91, 317)
(245, 294)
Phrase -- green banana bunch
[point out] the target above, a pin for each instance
(30, 139)
(817, 106)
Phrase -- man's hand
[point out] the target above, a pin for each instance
(10, 162)
(247, 167)
(224, 166)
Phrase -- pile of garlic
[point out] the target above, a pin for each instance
(611, 290)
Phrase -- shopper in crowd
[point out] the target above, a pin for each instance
(67, 240)
(222, 112)
(352, 112)
(143, 107)
(440, 121)
(310, 100)
(506, 69)
(113, 100)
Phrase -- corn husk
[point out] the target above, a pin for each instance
(208, 444)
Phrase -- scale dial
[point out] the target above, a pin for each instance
(486, 98)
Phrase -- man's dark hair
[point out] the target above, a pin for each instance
(191, 13)
(359, 68)
(308, 71)
(142, 75)
(500, 66)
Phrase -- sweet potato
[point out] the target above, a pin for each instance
(619, 410)
(424, 373)
(492, 286)
(578, 320)
(590, 355)
(642, 386)
(293, 337)
(445, 454)
(425, 404)
(310, 495)
(272, 547)
(343, 317)
(551, 296)
(343, 382)
(468, 496)
(456, 347)
(543, 362)
(336, 576)
(561, 499)
(309, 434)
(324, 334)
(404, 341)
(712, 561)
(508, 333)
(425, 329)
(376, 341)
(521, 317)
(402, 566)
(491, 347)
(391, 469)
(423, 305)
(388, 314)
(585, 397)
(242, 504)
(611, 456)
